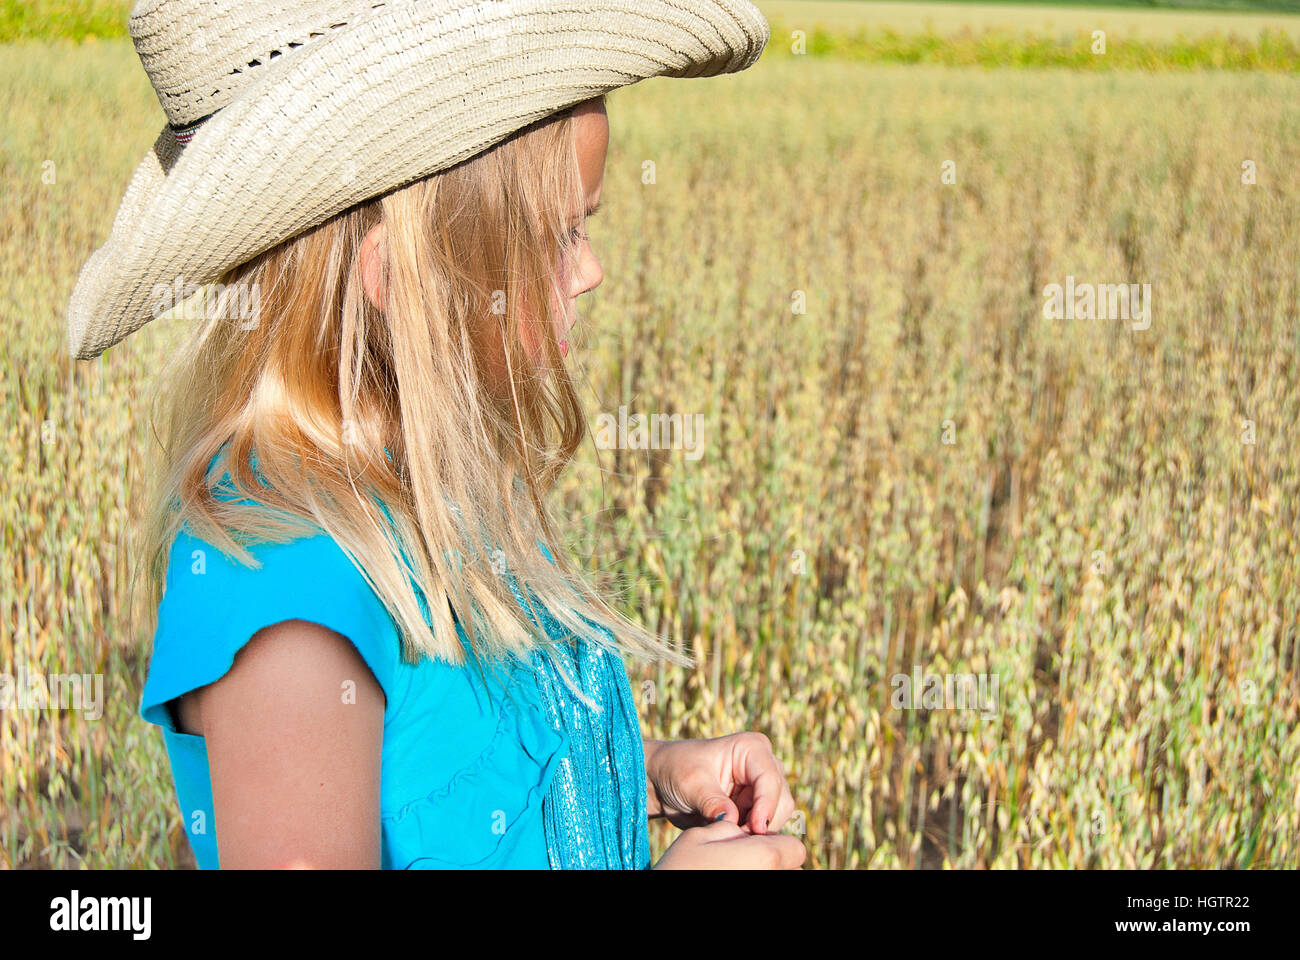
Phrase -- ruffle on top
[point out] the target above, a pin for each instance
(477, 818)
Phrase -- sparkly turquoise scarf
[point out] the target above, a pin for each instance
(595, 812)
(594, 815)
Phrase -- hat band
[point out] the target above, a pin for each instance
(185, 133)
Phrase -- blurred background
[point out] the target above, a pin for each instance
(913, 473)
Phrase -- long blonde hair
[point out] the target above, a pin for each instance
(382, 429)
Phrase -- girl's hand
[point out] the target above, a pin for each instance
(737, 776)
(724, 846)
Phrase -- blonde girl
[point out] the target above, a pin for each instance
(370, 650)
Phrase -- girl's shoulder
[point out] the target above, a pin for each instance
(212, 604)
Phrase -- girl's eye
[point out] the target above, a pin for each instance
(576, 234)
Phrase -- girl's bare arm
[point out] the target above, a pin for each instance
(294, 733)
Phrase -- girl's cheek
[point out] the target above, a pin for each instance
(528, 330)
(532, 330)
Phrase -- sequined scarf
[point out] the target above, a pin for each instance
(594, 815)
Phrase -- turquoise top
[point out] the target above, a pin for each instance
(528, 777)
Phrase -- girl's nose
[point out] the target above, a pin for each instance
(592, 275)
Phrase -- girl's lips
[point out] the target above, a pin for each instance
(564, 348)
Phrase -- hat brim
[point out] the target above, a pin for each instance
(402, 94)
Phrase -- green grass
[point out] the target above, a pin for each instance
(1173, 6)
(75, 20)
(1039, 20)
(1194, 6)
(1273, 50)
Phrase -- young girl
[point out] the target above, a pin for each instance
(369, 651)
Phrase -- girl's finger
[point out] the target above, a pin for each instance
(784, 810)
(768, 783)
(719, 806)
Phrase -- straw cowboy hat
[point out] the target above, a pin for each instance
(281, 113)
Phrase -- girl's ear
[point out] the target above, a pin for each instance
(372, 267)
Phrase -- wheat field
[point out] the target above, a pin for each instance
(907, 468)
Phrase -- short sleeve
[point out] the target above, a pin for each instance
(212, 605)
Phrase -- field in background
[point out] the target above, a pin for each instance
(1135, 19)
(1120, 22)
(960, 34)
(70, 19)
(1251, 35)
(919, 471)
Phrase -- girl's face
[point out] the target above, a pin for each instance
(591, 135)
